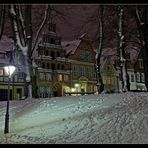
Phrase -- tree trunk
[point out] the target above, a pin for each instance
(28, 26)
(144, 45)
(121, 49)
(100, 85)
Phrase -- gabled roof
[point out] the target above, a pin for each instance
(70, 46)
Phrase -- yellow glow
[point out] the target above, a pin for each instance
(76, 85)
(73, 89)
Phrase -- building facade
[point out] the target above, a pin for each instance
(17, 81)
(53, 69)
(81, 57)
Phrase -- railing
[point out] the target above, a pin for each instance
(78, 93)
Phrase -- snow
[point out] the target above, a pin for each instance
(104, 119)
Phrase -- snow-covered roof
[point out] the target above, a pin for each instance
(70, 46)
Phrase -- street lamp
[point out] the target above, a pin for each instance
(9, 70)
(76, 86)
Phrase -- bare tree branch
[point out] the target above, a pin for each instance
(47, 9)
(2, 18)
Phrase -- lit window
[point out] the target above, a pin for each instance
(59, 77)
(1, 72)
(48, 76)
(142, 77)
(75, 71)
(42, 76)
(82, 70)
(66, 77)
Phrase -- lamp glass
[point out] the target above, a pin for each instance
(10, 69)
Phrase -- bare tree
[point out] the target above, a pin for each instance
(140, 14)
(2, 18)
(21, 21)
(100, 85)
(121, 48)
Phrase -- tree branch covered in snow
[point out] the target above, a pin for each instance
(100, 84)
(2, 18)
(47, 9)
(121, 49)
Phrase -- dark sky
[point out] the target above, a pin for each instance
(78, 19)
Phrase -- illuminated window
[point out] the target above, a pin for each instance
(48, 76)
(1, 72)
(82, 70)
(66, 77)
(59, 77)
(104, 81)
(138, 77)
(42, 76)
(142, 77)
(107, 81)
(75, 70)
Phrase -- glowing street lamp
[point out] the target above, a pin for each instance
(9, 70)
(76, 86)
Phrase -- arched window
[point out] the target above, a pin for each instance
(52, 54)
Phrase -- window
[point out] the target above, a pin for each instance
(140, 63)
(46, 52)
(1, 72)
(59, 77)
(52, 55)
(107, 81)
(48, 66)
(82, 70)
(132, 78)
(58, 66)
(138, 77)
(53, 66)
(142, 77)
(58, 54)
(108, 68)
(75, 70)
(66, 77)
(89, 71)
(52, 41)
(62, 67)
(43, 65)
(85, 55)
(48, 76)
(42, 76)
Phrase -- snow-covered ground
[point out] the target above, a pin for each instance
(106, 118)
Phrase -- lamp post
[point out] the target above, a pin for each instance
(76, 86)
(9, 70)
